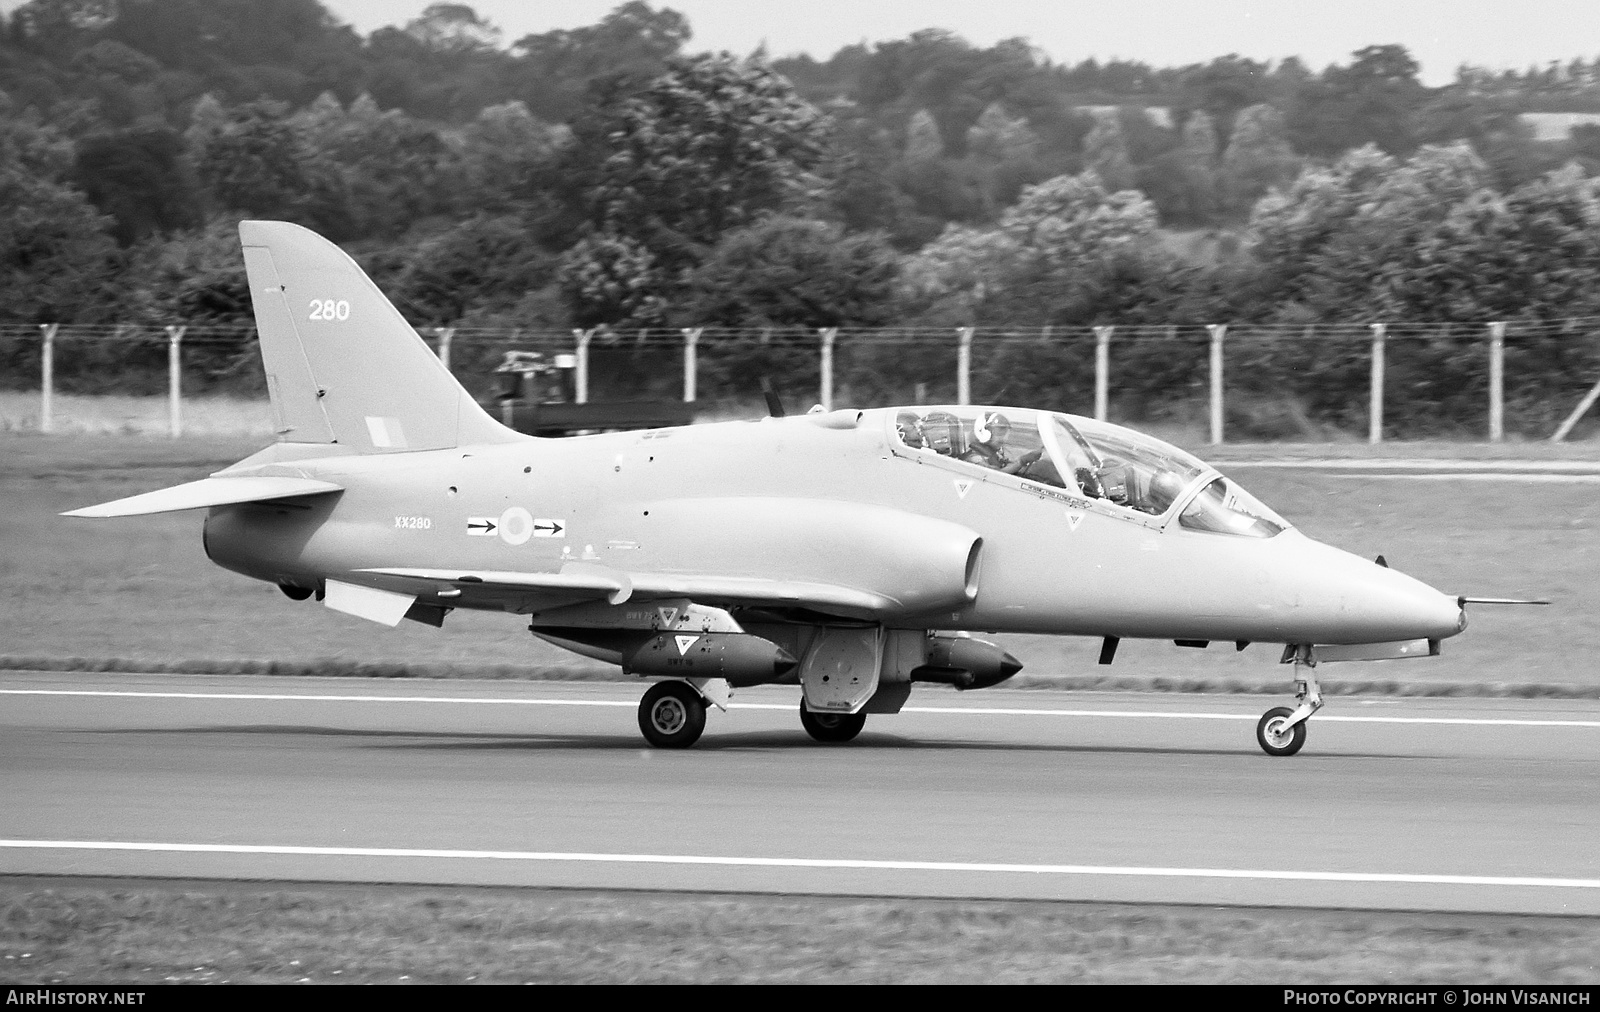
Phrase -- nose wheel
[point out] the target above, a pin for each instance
(672, 715)
(1282, 731)
(1276, 735)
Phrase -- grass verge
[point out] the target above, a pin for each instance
(140, 932)
(581, 673)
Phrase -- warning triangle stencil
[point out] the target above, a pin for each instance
(684, 643)
(963, 486)
(1074, 519)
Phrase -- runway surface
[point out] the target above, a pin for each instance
(1454, 804)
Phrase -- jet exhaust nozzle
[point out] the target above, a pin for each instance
(740, 658)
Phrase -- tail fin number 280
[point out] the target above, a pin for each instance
(330, 309)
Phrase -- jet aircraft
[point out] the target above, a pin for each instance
(854, 552)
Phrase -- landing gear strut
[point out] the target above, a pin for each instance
(672, 715)
(1282, 731)
(832, 728)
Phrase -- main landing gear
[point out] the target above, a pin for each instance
(672, 715)
(831, 728)
(1282, 731)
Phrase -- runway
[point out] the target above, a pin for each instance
(1438, 804)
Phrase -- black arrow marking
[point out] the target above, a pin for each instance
(488, 526)
(553, 528)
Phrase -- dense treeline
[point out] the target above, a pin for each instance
(608, 176)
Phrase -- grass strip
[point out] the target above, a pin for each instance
(150, 932)
(334, 668)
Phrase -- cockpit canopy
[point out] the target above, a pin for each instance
(1105, 464)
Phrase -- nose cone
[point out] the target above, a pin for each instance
(1342, 598)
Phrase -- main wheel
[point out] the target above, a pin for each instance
(672, 715)
(831, 727)
(1274, 738)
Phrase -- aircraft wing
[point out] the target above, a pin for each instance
(592, 581)
(209, 492)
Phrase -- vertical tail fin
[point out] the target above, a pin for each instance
(343, 366)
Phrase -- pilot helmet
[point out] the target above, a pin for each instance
(909, 428)
(992, 430)
(942, 432)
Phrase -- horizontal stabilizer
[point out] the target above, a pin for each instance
(208, 492)
(617, 587)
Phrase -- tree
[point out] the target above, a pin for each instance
(485, 264)
(1223, 87)
(1105, 152)
(1257, 159)
(140, 177)
(705, 148)
(923, 143)
(1183, 182)
(54, 248)
(793, 272)
(613, 279)
(554, 70)
(453, 28)
(384, 171)
(257, 162)
(1001, 138)
(1043, 257)
(1291, 228)
(505, 154)
(1372, 101)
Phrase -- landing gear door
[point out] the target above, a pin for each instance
(840, 670)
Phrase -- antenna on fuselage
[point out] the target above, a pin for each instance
(774, 406)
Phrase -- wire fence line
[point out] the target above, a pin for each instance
(1380, 376)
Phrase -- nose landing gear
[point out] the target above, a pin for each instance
(1282, 731)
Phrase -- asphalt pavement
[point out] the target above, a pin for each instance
(1400, 803)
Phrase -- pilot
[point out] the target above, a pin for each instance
(1165, 487)
(909, 427)
(989, 438)
(941, 433)
(1113, 479)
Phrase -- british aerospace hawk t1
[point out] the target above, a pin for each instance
(853, 552)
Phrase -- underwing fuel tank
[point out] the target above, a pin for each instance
(966, 663)
(740, 658)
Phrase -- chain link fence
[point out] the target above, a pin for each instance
(1528, 379)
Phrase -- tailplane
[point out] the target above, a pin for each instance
(343, 366)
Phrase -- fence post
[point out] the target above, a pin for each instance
(580, 382)
(445, 334)
(47, 378)
(691, 341)
(1102, 372)
(1497, 382)
(825, 379)
(1218, 331)
(175, 381)
(964, 366)
(1375, 400)
(1577, 413)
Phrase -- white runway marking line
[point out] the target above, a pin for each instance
(990, 711)
(802, 862)
(1425, 464)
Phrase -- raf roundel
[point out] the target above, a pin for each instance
(516, 526)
